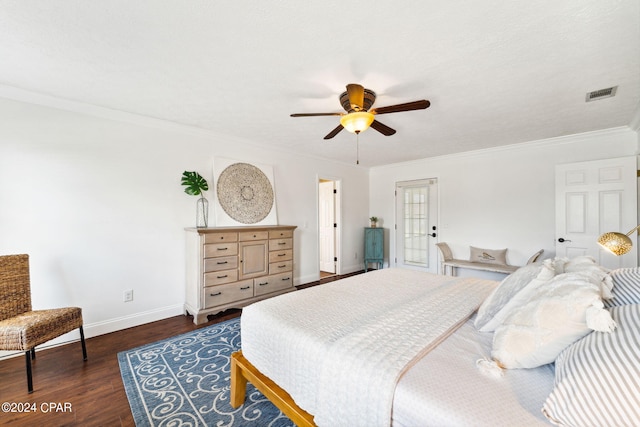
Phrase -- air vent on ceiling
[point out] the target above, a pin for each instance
(601, 94)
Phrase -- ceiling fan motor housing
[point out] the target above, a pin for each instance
(369, 99)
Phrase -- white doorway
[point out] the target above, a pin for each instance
(593, 198)
(416, 224)
(328, 226)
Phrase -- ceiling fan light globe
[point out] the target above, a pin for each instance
(616, 243)
(357, 122)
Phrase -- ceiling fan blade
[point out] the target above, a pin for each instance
(383, 129)
(356, 96)
(334, 132)
(408, 106)
(315, 114)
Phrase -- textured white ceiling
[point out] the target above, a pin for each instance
(496, 72)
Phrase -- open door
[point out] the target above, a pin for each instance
(327, 226)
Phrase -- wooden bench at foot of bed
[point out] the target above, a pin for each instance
(242, 371)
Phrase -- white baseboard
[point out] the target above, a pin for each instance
(137, 319)
(309, 278)
(352, 268)
(106, 327)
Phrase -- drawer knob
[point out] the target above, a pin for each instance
(223, 249)
(245, 288)
(216, 294)
(222, 277)
(263, 284)
(223, 262)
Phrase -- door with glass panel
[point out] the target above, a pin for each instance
(416, 224)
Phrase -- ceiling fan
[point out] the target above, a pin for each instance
(357, 101)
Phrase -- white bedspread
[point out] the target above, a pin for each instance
(445, 388)
(339, 348)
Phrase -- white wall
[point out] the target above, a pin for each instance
(498, 198)
(98, 206)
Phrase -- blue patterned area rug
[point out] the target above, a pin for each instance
(185, 380)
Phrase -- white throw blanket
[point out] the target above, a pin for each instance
(340, 348)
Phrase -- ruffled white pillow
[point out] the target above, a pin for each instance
(556, 314)
(518, 288)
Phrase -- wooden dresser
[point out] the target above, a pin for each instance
(231, 267)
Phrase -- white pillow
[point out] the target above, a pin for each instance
(597, 273)
(512, 292)
(598, 377)
(512, 301)
(556, 314)
(510, 285)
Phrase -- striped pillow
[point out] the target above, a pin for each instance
(598, 377)
(626, 287)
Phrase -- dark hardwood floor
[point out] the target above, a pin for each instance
(87, 393)
(70, 392)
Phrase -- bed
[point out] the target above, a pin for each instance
(404, 348)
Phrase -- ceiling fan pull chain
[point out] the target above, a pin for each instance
(358, 148)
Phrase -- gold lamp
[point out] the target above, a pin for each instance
(357, 122)
(617, 243)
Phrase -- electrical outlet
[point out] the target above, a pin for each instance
(128, 295)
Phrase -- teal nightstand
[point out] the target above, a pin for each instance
(373, 247)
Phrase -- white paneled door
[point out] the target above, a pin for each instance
(327, 229)
(593, 198)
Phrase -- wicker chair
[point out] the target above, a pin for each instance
(22, 328)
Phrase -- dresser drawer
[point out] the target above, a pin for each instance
(247, 236)
(280, 234)
(276, 256)
(220, 249)
(280, 267)
(224, 294)
(279, 244)
(220, 277)
(220, 263)
(266, 285)
(220, 237)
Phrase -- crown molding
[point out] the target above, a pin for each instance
(16, 94)
(554, 141)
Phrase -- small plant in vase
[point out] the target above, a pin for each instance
(374, 221)
(195, 186)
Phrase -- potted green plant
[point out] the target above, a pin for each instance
(195, 185)
(374, 221)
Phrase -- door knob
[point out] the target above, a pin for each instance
(433, 234)
(562, 240)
